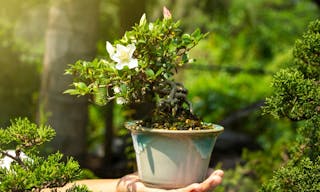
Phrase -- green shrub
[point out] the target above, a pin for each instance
(32, 172)
(289, 159)
(297, 97)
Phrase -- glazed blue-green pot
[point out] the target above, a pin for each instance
(171, 159)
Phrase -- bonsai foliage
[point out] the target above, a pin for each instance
(297, 97)
(21, 167)
(140, 69)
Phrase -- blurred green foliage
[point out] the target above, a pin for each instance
(242, 53)
(22, 25)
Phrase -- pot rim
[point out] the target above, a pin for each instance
(217, 129)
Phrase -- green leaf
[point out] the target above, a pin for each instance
(123, 88)
(150, 73)
(185, 58)
(186, 36)
(81, 85)
(71, 92)
(159, 71)
(196, 33)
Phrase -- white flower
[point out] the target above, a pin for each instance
(6, 161)
(122, 55)
(116, 89)
(121, 101)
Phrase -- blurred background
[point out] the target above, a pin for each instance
(248, 42)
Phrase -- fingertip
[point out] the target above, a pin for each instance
(216, 180)
(219, 172)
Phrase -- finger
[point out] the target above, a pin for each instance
(136, 186)
(215, 172)
(218, 172)
(195, 187)
(212, 181)
(125, 183)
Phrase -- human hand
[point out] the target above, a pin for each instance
(131, 183)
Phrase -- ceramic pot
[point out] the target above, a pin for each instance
(171, 159)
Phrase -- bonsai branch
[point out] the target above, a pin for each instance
(16, 158)
(173, 97)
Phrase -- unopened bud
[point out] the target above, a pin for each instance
(166, 13)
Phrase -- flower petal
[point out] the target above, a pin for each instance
(119, 66)
(110, 48)
(143, 20)
(116, 89)
(131, 48)
(115, 57)
(150, 26)
(120, 100)
(121, 48)
(133, 63)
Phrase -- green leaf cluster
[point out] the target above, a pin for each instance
(296, 96)
(296, 176)
(90, 78)
(34, 172)
(161, 48)
(307, 50)
(24, 135)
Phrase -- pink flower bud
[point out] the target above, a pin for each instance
(166, 13)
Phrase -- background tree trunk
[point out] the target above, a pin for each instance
(71, 35)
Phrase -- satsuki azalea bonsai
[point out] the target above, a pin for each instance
(140, 68)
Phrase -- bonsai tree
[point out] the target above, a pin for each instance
(21, 167)
(297, 97)
(140, 69)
